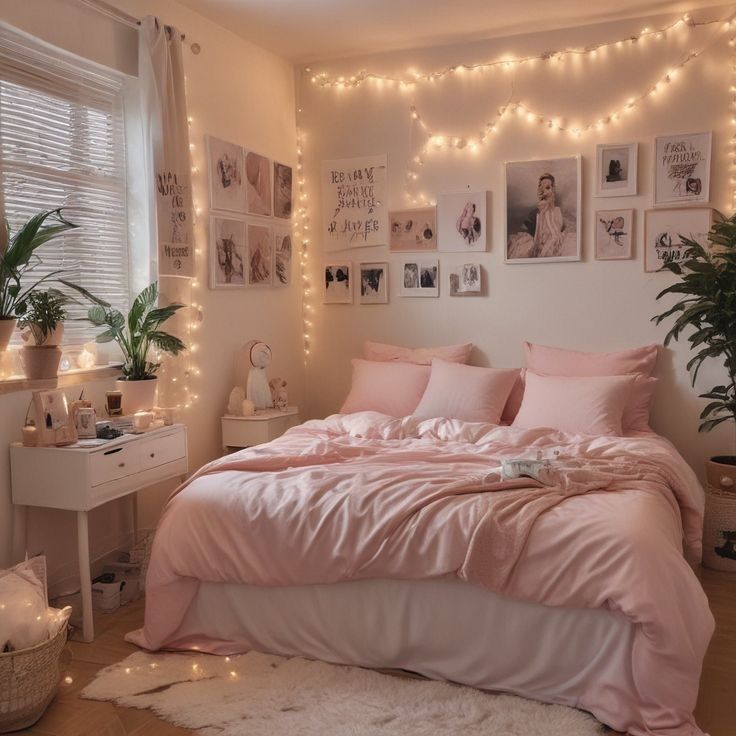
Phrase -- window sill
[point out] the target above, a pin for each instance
(72, 377)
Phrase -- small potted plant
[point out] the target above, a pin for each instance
(136, 336)
(18, 258)
(42, 314)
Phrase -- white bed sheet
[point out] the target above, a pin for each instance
(444, 629)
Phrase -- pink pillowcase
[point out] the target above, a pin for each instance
(513, 403)
(559, 362)
(639, 405)
(379, 351)
(389, 388)
(466, 392)
(577, 405)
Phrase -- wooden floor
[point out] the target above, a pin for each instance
(69, 715)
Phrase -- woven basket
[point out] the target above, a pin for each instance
(719, 529)
(28, 682)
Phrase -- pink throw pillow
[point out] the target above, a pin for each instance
(379, 351)
(513, 403)
(466, 392)
(560, 362)
(389, 388)
(639, 405)
(577, 405)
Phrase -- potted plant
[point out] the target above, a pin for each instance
(707, 284)
(18, 258)
(135, 336)
(43, 314)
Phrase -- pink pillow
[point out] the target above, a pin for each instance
(560, 362)
(577, 405)
(389, 388)
(513, 403)
(466, 392)
(421, 356)
(639, 405)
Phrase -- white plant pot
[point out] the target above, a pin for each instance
(138, 395)
(6, 332)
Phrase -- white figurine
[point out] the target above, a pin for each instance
(279, 396)
(257, 388)
(248, 409)
(235, 402)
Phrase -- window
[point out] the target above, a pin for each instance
(62, 144)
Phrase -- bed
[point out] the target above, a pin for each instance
(396, 542)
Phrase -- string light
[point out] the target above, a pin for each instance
(302, 235)
(413, 78)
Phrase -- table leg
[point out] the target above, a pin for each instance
(85, 579)
(20, 533)
(134, 498)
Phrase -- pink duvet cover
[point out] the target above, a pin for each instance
(367, 496)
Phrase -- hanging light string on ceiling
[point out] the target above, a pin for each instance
(413, 78)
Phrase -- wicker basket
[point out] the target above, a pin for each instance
(719, 529)
(28, 682)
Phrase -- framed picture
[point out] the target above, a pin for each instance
(413, 230)
(225, 165)
(282, 191)
(543, 210)
(616, 169)
(614, 234)
(54, 425)
(282, 250)
(338, 287)
(420, 277)
(682, 168)
(662, 231)
(260, 254)
(465, 280)
(257, 184)
(461, 221)
(227, 253)
(373, 283)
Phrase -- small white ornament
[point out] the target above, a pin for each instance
(235, 402)
(257, 388)
(248, 408)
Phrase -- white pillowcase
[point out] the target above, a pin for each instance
(457, 391)
(577, 405)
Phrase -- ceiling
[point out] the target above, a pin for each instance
(308, 30)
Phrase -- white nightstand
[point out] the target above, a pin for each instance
(82, 478)
(264, 426)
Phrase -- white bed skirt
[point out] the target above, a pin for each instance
(444, 629)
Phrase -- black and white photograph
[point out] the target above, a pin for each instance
(338, 287)
(282, 190)
(227, 253)
(260, 255)
(614, 235)
(616, 169)
(373, 283)
(257, 184)
(420, 277)
(543, 210)
(465, 280)
(225, 162)
(682, 168)
(282, 252)
(664, 229)
(461, 221)
(413, 230)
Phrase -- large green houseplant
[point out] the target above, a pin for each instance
(18, 259)
(707, 308)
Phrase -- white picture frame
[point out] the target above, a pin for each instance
(227, 252)
(226, 175)
(258, 189)
(413, 230)
(682, 165)
(662, 230)
(614, 235)
(462, 222)
(283, 255)
(617, 169)
(524, 182)
(259, 264)
(420, 277)
(373, 282)
(337, 282)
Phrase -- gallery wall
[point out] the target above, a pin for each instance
(588, 305)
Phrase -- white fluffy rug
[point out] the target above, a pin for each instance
(263, 695)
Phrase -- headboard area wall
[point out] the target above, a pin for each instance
(625, 82)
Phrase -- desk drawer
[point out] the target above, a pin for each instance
(112, 464)
(162, 450)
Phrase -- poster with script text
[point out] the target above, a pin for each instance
(354, 212)
(682, 168)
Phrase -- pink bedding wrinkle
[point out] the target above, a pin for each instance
(368, 496)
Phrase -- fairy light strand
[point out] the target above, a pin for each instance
(302, 236)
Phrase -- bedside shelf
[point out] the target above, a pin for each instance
(266, 425)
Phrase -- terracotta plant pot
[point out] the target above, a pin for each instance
(40, 361)
(719, 529)
(6, 332)
(53, 339)
(138, 395)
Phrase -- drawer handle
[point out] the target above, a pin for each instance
(121, 465)
(153, 454)
(112, 452)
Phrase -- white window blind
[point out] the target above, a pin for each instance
(62, 144)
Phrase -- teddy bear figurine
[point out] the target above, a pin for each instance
(278, 393)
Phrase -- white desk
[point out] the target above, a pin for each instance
(264, 426)
(82, 478)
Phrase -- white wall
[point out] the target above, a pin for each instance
(591, 305)
(235, 91)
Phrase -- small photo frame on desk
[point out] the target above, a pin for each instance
(54, 423)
